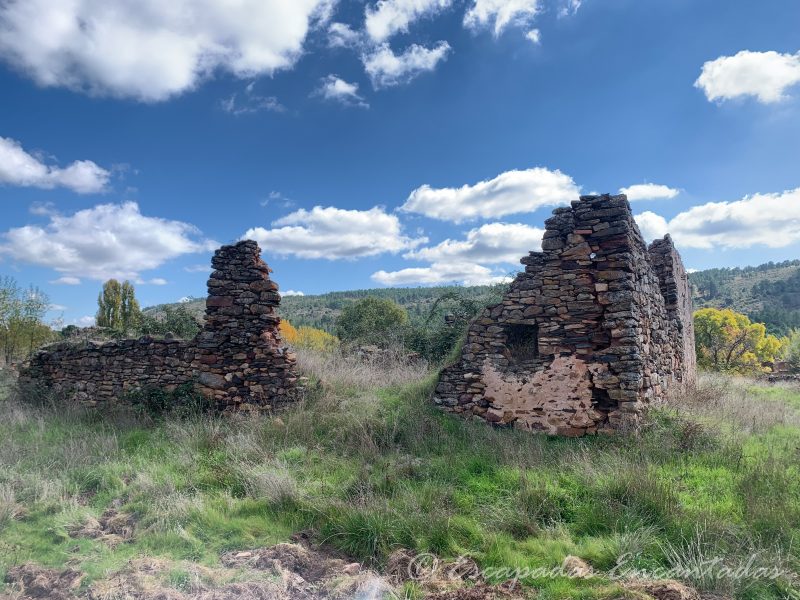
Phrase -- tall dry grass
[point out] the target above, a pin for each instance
(343, 368)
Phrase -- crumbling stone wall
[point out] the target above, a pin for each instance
(597, 326)
(238, 359)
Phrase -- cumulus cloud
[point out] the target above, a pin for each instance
(440, 273)
(334, 233)
(385, 68)
(509, 193)
(771, 220)
(18, 167)
(498, 15)
(341, 35)
(87, 321)
(765, 75)
(338, 90)
(492, 243)
(108, 240)
(649, 191)
(388, 17)
(535, 36)
(152, 50)
(292, 293)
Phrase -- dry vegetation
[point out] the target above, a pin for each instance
(366, 466)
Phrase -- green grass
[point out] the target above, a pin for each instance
(370, 471)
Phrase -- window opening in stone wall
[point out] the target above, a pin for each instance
(522, 341)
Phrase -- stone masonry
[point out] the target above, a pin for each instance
(596, 327)
(238, 359)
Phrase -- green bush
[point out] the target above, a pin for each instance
(182, 402)
(378, 321)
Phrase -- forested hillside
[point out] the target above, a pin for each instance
(321, 310)
(768, 293)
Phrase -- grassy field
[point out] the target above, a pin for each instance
(367, 466)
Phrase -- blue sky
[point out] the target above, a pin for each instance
(403, 142)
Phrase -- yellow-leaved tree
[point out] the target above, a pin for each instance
(729, 341)
(308, 337)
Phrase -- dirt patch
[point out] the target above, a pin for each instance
(482, 591)
(312, 565)
(664, 590)
(112, 528)
(33, 581)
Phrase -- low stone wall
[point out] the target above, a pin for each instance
(597, 326)
(238, 359)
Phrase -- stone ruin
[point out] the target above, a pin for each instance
(596, 327)
(238, 359)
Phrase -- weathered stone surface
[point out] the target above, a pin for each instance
(597, 326)
(238, 359)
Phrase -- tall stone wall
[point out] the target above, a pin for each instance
(238, 359)
(597, 326)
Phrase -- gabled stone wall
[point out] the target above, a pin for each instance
(238, 359)
(596, 327)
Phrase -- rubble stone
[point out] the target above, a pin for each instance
(596, 327)
(238, 359)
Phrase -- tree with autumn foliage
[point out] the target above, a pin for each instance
(729, 341)
(308, 337)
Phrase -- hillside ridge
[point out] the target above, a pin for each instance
(768, 293)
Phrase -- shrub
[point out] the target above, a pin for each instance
(308, 337)
(156, 402)
(177, 320)
(371, 320)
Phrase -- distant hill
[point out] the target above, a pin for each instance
(321, 310)
(768, 293)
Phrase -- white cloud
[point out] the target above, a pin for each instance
(440, 273)
(652, 226)
(87, 321)
(249, 102)
(341, 35)
(765, 75)
(339, 90)
(649, 191)
(157, 281)
(509, 193)
(18, 167)
(535, 36)
(66, 280)
(501, 14)
(492, 243)
(151, 49)
(388, 17)
(570, 7)
(292, 293)
(385, 68)
(108, 240)
(334, 233)
(771, 220)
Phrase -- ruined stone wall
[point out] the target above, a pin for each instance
(594, 328)
(238, 359)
